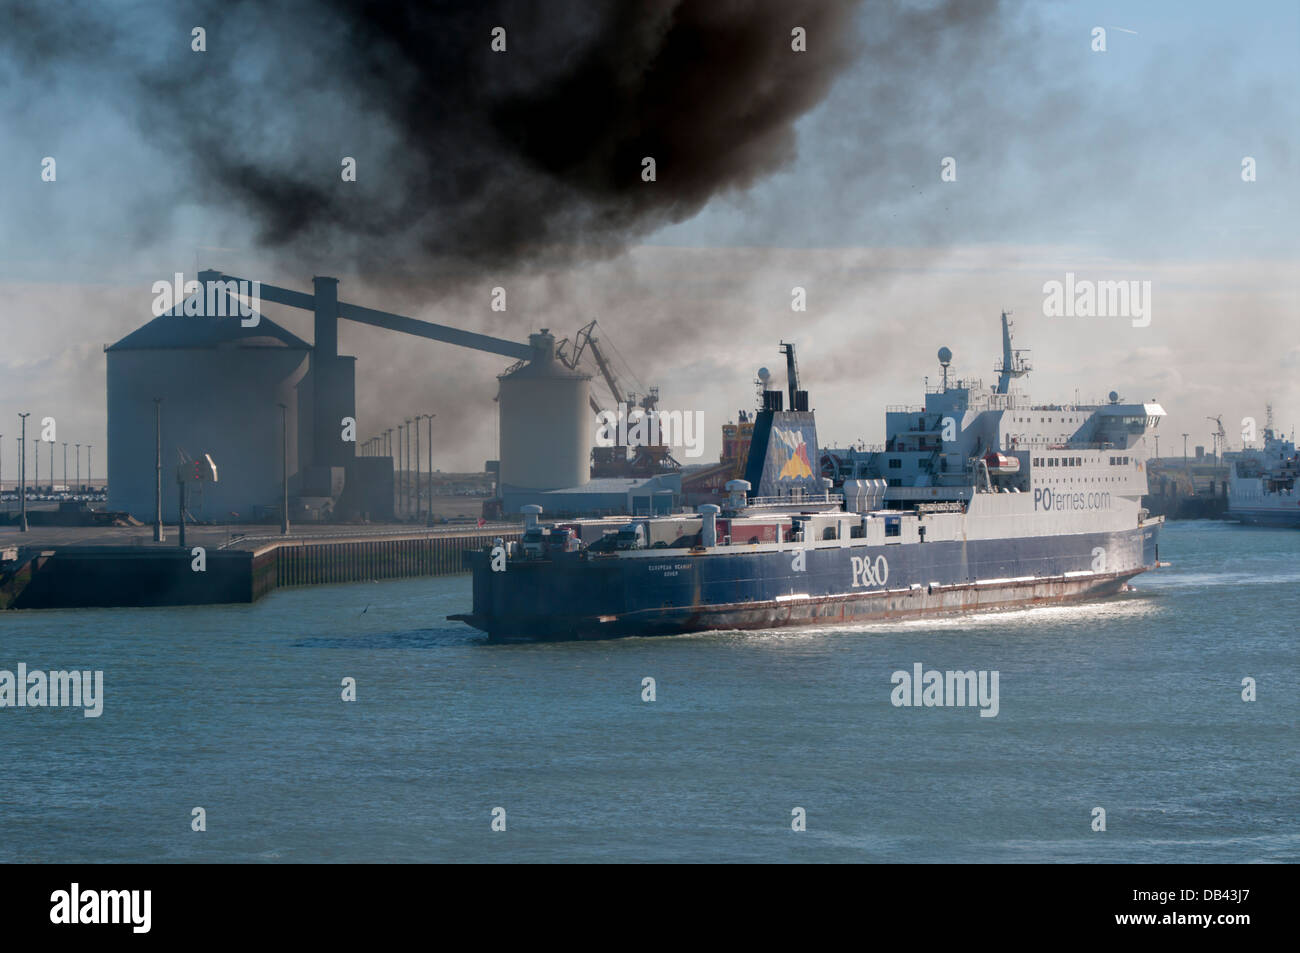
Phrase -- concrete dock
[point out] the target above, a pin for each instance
(67, 567)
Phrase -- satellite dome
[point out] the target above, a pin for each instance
(945, 355)
(1114, 397)
(764, 373)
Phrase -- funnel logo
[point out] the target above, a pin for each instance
(794, 450)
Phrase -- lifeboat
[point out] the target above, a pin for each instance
(1000, 464)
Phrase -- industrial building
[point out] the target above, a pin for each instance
(221, 385)
(262, 402)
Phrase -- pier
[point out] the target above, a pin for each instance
(74, 567)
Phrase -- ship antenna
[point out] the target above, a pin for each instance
(1013, 363)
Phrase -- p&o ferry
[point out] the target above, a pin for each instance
(979, 498)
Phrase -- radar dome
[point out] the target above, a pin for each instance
(945, 356)
(764, 373)
(1114, 397)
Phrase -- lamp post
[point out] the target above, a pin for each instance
(158, 535)
(401, 502)
(78, 468)
(90, 466)
(417, 467)
(430, 418)
(22, 474)
(284, 465)
(65, 464)
(407, 470)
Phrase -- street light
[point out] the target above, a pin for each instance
(430, 418)
(406, 474)
(284, 455)
(22, 471)
(158, 535)
(78, 468)
(417, 467)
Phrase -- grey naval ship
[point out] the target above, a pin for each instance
(979, 498)
(1262, 484)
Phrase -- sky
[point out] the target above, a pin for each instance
(1122, 165)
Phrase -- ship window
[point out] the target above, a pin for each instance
(893, 526)
(895, 463)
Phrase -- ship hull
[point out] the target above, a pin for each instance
(679, 592)
(1267, 516)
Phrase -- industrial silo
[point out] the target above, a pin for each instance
(221, 385)
(546, 422)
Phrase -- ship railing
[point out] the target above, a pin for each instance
(1034, 447)
(795, 500)
(951, 507)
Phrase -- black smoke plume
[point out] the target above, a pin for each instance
(465, 156)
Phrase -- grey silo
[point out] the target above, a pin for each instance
(220, 383)
(546, 422)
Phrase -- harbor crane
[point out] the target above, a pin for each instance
(1220, 437)
(615, 461)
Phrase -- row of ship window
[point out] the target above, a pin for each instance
(1074, 461)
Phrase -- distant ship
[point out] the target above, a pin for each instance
(979, 499)
(1262, 484)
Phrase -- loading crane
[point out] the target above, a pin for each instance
(1220, 437)
(615, 461)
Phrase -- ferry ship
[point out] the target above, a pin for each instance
(1262, 484)
(980, 498)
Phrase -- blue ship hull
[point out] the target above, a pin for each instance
(661, 592)
(1267, 517)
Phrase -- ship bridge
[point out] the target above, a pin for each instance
(968, 436)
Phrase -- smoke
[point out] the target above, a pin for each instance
(467, 157)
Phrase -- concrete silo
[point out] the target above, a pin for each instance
(221, 385)
(546, 422)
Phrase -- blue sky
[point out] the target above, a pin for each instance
(1136, 150)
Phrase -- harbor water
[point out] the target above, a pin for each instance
(1133, 705)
